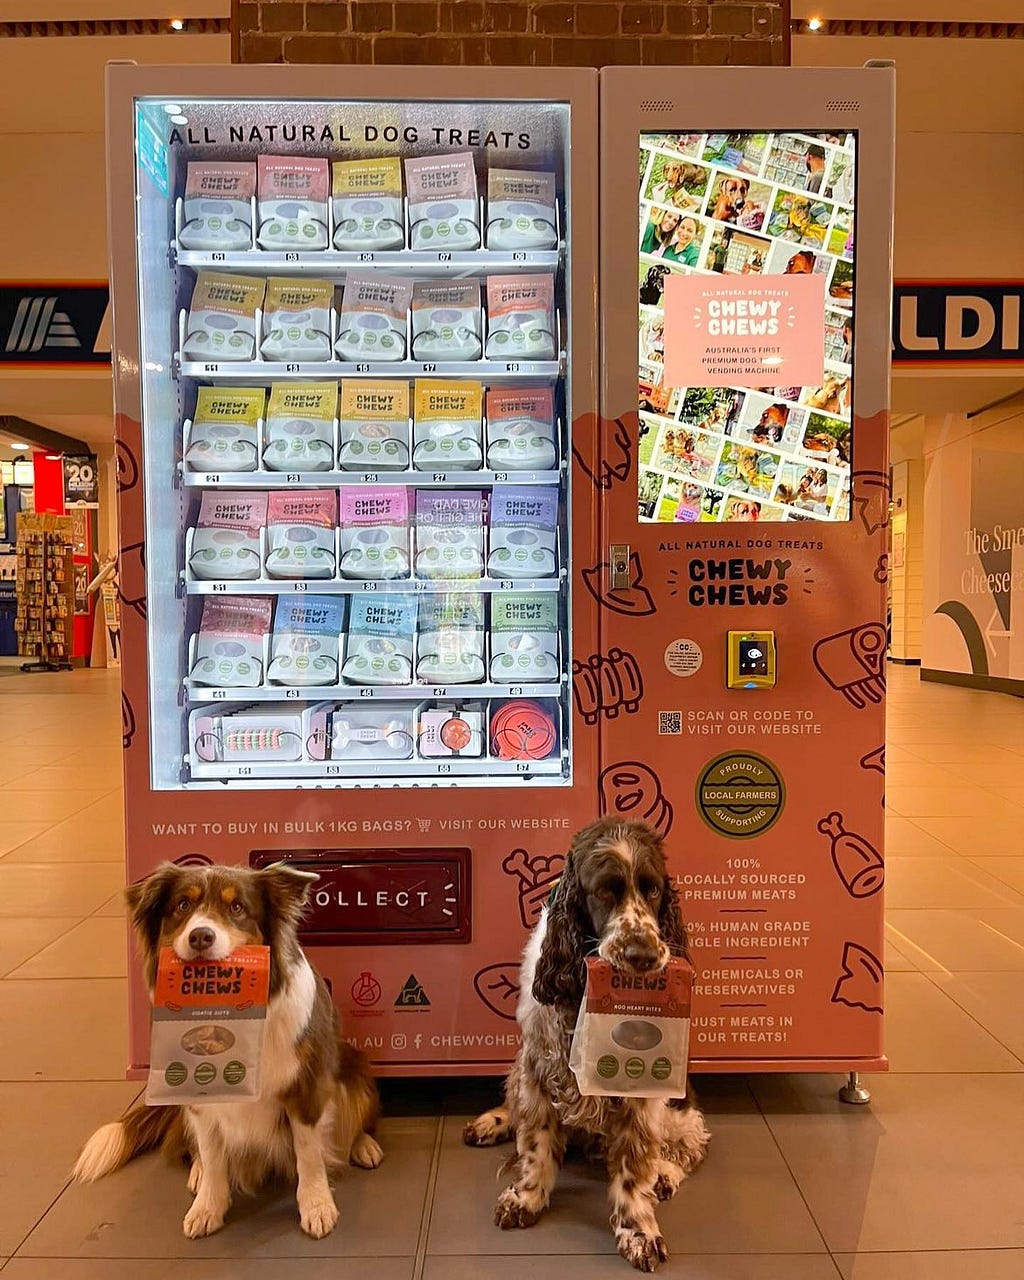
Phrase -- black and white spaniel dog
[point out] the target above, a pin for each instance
(614, 899)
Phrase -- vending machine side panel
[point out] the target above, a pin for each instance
(745, 417)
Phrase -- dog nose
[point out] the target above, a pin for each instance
(639, 956)
(201, 939)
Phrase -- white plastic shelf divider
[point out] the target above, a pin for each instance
(197, 693)
(374, 772)
(355, 587)
(261, 372)
(333, 264)
(333, 479)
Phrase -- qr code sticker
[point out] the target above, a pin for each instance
(670, 722)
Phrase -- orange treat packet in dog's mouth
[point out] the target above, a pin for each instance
(632, 1035)
(208, 1022)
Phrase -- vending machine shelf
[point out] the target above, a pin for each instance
(335, 265)
(332, 479)
(197, 693)
(375, 774)
(384, 587)
(257, 373)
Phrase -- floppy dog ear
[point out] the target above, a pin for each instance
(285, 892)
(561, 969)
(147, 902)
(670, 921)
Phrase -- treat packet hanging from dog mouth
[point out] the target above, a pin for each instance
(367, 198)
(218, 205)
(520, 210)
(223, 436)
(372, 323)
(292, 202)
(209, 1017)
(632, 1035)
(297, 319)
(221, 321)
(521, 318)
(444, 210)
(300, 426)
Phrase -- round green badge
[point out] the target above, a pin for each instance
(634, 1068)
(175, 1074)
(205, 1073)
(661, 1068)
(234, 1072)
(607, 1066)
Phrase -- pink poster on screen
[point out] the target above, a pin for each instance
(744, 332)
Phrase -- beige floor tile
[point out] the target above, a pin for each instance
(220, 1269)
(682, 1263)
(21, 939)
(1010, 870)
(904, 838)
(926, 1031)
(947, 802)
(71, 1030)
(1001, 769)
(95, 777)
(15, 834)
(962, 1264)
(991, 838)
(895, 960)
(1009, 922)
(48, 806)
(926, 1166)
(53, 889)
(1015, 794)
(944, 882)
(44, 1126)
(919, 773)
(113, 907)
(960, 748)
(95, 948)
(137, 1212)
(956, 940)
(995, 1000)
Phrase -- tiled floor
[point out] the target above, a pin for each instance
(926, 1184)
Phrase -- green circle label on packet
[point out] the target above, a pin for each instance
(175, 1074)
(234, 1072)
(205, 1073)
(607, 1066)
(634, 1068)
(661, 1068)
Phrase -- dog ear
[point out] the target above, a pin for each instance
(286, 891)
(670, 921)
(561, 968)
(147, 902)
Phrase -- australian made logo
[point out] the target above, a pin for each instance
(740, 795)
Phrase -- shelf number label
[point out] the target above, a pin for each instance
(366, 257)
(512, 366)
(291, 368)
(332, 771)
(519, 256)
(291, 693)
(440, 691)
(299, 585)
(421, 587)
(219, 586)
(444, 768)
(522, 766)
(515, 691)
(370, 477)
(212, 479)
(292, 477)
(291, 257)
(507, 584)
(216, 257)
(211, 368)
(369, 586)
(218, 694)
(430, 368)
(366, 693)
(362, 368)
(500, 477)
(440, 477)
(444, 257)
(244, 771)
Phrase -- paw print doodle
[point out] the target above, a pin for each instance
(858, 864)
(498, 987)
(634, 601)
(536, 874)
(859, 984)
(632, 790)
(606, 683)
(853, 663)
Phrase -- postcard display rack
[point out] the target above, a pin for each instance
(370, 553)
(45, 585)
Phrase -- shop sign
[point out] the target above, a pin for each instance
(81, 480)
(53, 323)
(959, 322)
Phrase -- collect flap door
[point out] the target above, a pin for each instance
(739, 682)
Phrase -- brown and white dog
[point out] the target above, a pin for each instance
(616, 899)
(730, 199)
(318, 1102)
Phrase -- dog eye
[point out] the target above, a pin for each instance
(184, 905)
(236, 909)
(650, 889)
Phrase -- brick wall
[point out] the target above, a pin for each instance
(588, 33)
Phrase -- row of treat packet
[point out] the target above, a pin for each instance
(374, 432)
(373, 320)
(366, 195)
(319, 640)
(291, 534)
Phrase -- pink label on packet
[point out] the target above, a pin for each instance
(377, 505)
(306, 506)
(742, 332)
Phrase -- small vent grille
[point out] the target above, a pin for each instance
(842, 104)
(656, 104)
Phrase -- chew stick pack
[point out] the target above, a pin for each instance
(374, 425)
(221, 322)
(368, 204)
(209, 1017)
(229, 648)
(218, 205)
(632, 1035)
(224, 429)
(292, 202)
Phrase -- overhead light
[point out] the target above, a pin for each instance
(815, 24)
(179, 119)
(177, 24)
(54, 457)
(18, 444)
(172, 108)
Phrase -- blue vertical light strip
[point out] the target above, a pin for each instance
(150, 147)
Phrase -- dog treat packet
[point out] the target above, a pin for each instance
(221, 321)
(521, 429)
(451, 731)
(300, 533)
(449, 533)
(521, 209)
(374, 532)
(446, 320)
(384, 732)
(524, 637)
(291, 202)
(373, 320)
(447, 426)
(524, 532)
(632, 1035)
(450, 648)
(299, 428)
(374, 427)
(307, 640)
(229, 647)
(218, 205)
(367, 198)
(297, 319)
(224, 435)
(444, 209)
(521, 318)
(381, 637)
(226, 540)
(209, 1017)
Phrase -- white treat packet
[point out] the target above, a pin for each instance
(521, 429)
(450, 647)
(297, 319)
(524, 532)
(226, 540)
(218, 205)
(224, 432)
(221, 321)
(521, 318)
(229, 647)
(300, 426)
(367, 198)
(373, 319)
(300, 533)
(524, 637)
(306, 644)
(444, 209)
(374, 532)
(449, 533)
(447, 320)
(374, 426)
(521, 210)
(448, 425)
(291, 201)
(381, 635)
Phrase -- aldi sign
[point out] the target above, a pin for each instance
(54, 324)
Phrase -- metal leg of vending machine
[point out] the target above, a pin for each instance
(745, 286)
(854, 1092)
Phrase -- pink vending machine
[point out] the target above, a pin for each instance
(408, 597)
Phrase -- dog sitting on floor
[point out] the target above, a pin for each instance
(318, 1103)
(614, 898)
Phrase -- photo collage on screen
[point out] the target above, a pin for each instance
(746, 204)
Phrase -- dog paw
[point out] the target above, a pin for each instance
(195, 1176)
(318, 1215)
(641, 1251)
(510, 1211)
(203, 1219)
(669, 1180)
(366, 1152)
(487, 1130)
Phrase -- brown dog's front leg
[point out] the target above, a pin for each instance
(633, 1160)
(540, 1146)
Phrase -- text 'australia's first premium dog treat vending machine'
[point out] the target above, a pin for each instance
(412, 591)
